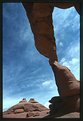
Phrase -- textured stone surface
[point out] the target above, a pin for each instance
(67, 115)
(19, 111)
(32, 100)
(32, 114)
(69, 90)
(25, 109)
(29, 114)
(36, 114)
(40, 17)
(71, 115)
(66, 82)
(66, 105)
(42, 28)
(31, 107)
(43, 113)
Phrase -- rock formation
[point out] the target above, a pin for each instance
(40, 18)
(60, 106)
(24, 109)
(58, 109)
(66, 82)
(69, 90)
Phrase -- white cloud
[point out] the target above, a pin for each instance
(74, 50)
(46, 83)
(60, 16)
(70, 60)
(62, 60)
(74, 61)
(76, 23)
(50, 85)
(58, 13)
(66, 64)
(73, 64)
(61, 44)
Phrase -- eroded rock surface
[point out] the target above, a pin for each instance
(68, 104)
(66, 82)
(40, 18)
(26, 109)
(69, 90)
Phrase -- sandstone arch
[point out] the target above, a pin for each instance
(40, 17)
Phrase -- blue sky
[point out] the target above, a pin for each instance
(26, 73)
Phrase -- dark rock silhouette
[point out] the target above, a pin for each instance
(61, 106)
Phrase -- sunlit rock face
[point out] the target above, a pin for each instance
(26, 109)
(66, 82)
(67, 105)
(68, 102)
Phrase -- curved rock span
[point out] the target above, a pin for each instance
(40, 18)
(68, 103)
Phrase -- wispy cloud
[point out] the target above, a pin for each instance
(46, 83)
(66, 23)
(26, 73)
(67, 34)
(49, 84)
(72, 59)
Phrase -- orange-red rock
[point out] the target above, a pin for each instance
(19, 111)
(26, 109)
(66, 82)
(40, 17)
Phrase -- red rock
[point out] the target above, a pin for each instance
(23, 107)
(36, 114)
(23, 100)
(65, 106)
(31, 107)
(67, 115)
(8, 112)
(29, 114)
(32, 114)
(32, 100)
(66, 82)
(19, 111)
(42, 28)
(40, 17)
